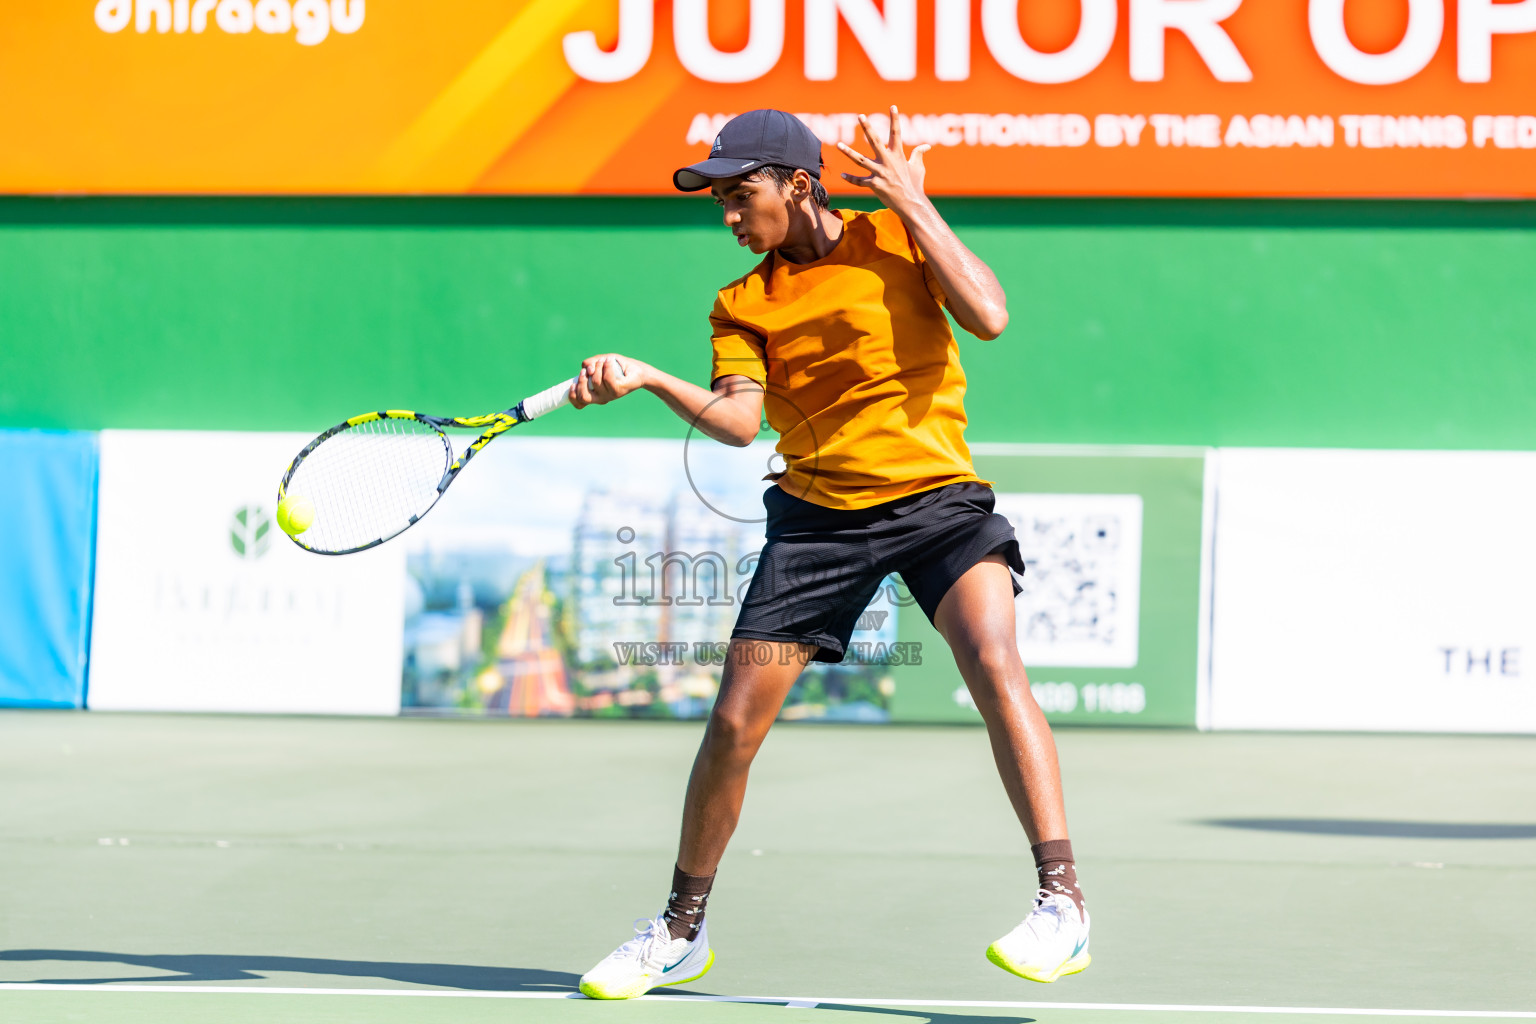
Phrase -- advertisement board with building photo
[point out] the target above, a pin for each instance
(574, 577)
(601, 578)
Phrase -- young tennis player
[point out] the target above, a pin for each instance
(840, 334)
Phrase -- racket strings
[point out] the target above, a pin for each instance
(368, 482)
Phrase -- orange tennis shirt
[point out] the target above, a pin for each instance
(861, 371)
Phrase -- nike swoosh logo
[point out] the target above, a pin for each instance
(664, 970)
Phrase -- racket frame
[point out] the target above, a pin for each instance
(494, 424)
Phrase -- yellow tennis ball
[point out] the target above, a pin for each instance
(295, 514)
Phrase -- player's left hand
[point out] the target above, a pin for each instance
(606, 377)
(894, 177)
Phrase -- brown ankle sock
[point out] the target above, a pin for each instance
(1053, 861)
(685, 905)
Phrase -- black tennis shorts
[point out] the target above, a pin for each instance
(821, 566)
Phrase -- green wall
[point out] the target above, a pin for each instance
(1249, 323)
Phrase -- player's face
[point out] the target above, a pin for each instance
(756, 211)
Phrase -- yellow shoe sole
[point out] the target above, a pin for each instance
(1031, 972)
(640, 989)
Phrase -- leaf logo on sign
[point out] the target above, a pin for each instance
(250, 532)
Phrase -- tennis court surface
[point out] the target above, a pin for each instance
(190, 868)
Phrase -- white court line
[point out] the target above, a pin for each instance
(802, 1001)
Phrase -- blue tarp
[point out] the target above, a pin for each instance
(47, 549)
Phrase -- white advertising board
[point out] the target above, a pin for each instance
(1375, 590)
(201, 604)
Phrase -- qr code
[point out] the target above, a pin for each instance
(1082, 586)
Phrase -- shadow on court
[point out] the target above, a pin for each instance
(931, 1016)
(208, 967)
(1388, 829)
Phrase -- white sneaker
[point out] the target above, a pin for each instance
(652, 958)
(1051, 941)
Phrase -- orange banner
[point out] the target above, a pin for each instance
(1085, 97)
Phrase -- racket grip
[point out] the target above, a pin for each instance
(548, 400)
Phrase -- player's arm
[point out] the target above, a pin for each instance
(730, 412)
(971, 290)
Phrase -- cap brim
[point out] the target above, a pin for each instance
(698, 176)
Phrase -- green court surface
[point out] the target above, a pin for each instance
(173, 869)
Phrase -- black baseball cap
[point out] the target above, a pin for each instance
(752, 140)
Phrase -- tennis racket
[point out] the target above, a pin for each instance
(374, 476)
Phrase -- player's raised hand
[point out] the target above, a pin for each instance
(894, 177)
(606, 377)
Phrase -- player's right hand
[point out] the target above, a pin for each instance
(606, 377)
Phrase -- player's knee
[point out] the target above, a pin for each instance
(731, 737)
(993, 659)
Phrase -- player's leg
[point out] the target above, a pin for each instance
(758, 676)
(976, 619)
(674, 947)
(813, 578)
